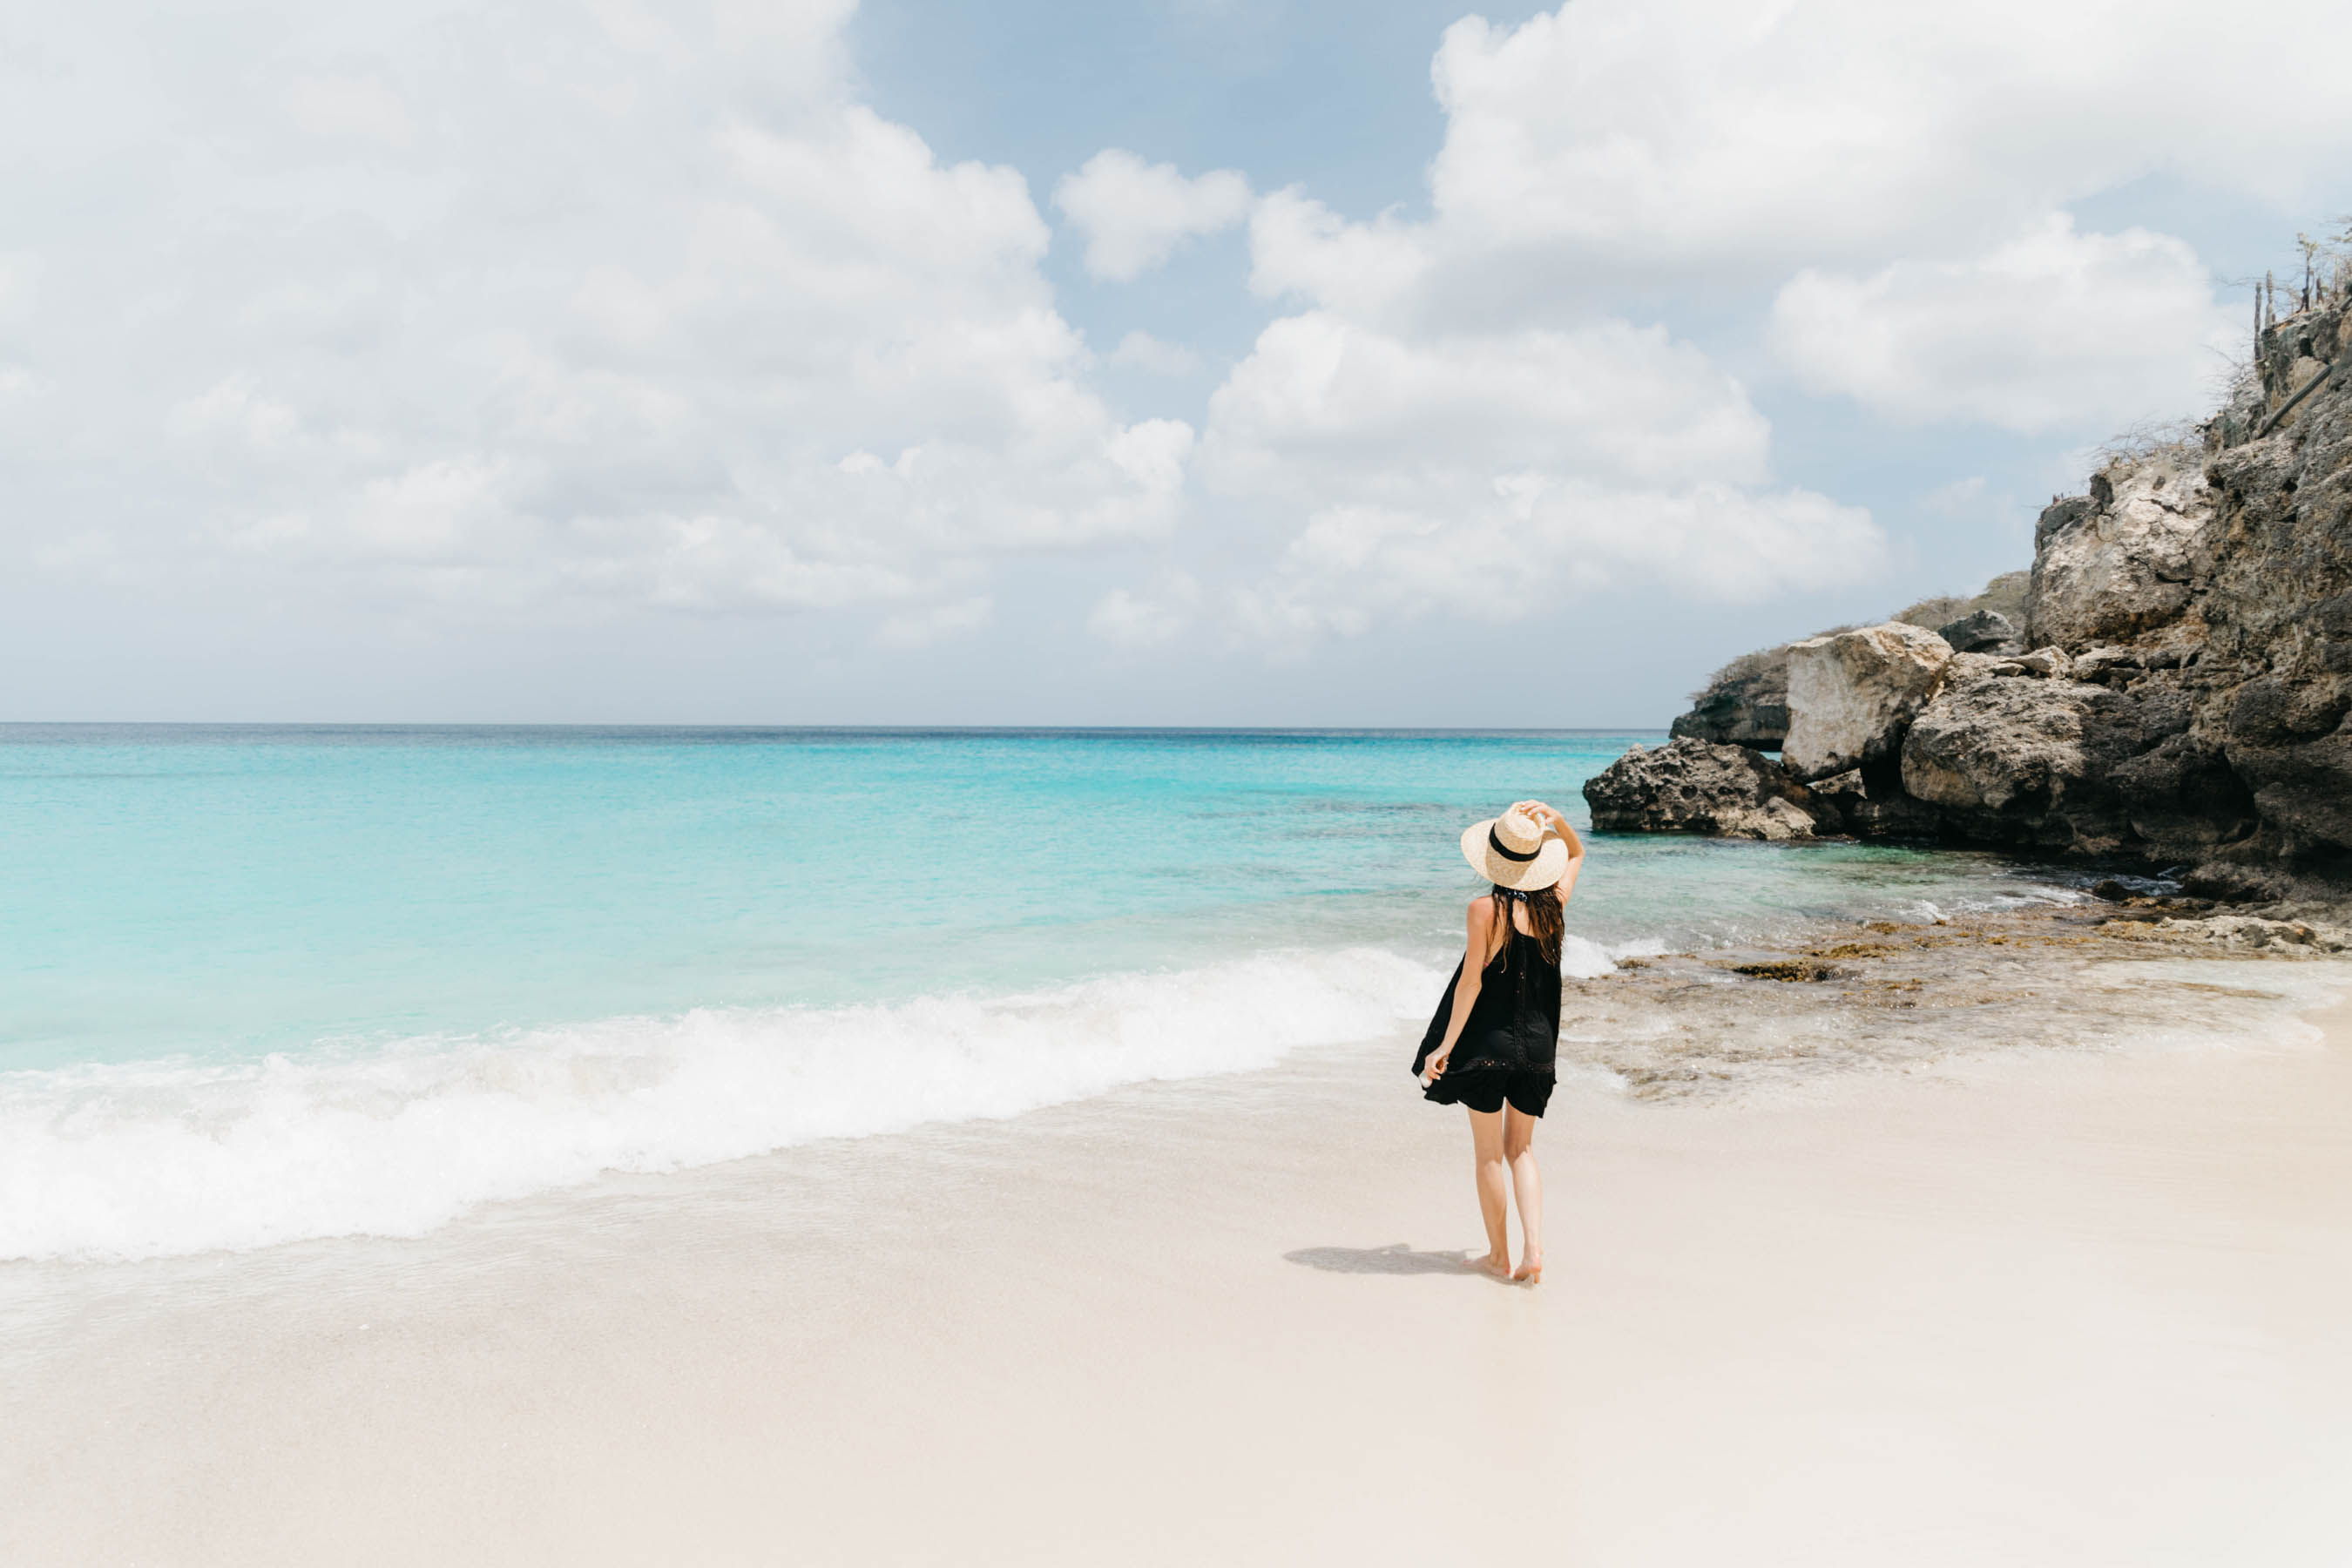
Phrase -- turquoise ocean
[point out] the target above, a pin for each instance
(261, 983)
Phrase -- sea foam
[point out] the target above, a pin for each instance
(154, 1159)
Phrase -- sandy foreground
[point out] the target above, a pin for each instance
(2074, 1308)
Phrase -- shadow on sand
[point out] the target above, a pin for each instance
(1397, 1259)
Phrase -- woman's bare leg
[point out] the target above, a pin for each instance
(1519, 1148)
(1494, 1189)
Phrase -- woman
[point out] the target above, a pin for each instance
(1490, 1047)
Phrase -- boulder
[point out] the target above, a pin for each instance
(1746, 704)
(2118, 564)
(2069, 765)
(1698, 786)
(1985, 631)
(1853, 694)
(1990, 745)
(2049, 663)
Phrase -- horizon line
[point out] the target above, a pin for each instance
(837, 728)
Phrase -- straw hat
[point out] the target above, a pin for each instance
(1511, 851)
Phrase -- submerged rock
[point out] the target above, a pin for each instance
(2247, 932)
(1698, 786)
(1852, 696)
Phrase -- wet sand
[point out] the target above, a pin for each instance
(2072, 1308)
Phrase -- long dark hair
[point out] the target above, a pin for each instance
(1547, 921)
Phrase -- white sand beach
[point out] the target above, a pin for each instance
(2079, 1310)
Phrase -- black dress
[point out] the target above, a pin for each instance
(1506, 1048)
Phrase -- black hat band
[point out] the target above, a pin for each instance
(1497, 844)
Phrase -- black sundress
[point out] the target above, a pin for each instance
(1506, 1048)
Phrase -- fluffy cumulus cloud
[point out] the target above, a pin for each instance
(1495, 475)
(641, 304)
(1134, 214)
(539, 303)
(1713, 136)
(1455, 398)
(1889, 160)
(2046, 333)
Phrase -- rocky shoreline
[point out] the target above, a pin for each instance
(2170, 686)
(1882, 995)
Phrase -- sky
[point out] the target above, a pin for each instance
(1178, 362)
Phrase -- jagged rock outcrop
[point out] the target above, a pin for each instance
(2012, 759)
(1982, 631)
(1853, 696)
(2121, 566)
(2187, 697)
(1697, 787)
(1746, 703)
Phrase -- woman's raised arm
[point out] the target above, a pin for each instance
(1559, 824)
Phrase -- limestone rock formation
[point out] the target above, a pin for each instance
(2004, 596)
(1853, 696)
(1982, 631)
(1746, 703)
(2187, 699)
(1698, 786)
(2121, 567)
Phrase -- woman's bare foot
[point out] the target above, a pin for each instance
(1530, 1269)
(1492, 1267)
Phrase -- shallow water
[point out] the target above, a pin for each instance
(258, 984)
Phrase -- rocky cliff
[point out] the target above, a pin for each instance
(2177, 692)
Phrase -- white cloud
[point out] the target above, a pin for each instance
(1535, 542)
(1327, 406)
(1301, 249)
(1140, 351)
(1134, 215)
(1926, 156)
(1974, 508)
(19, 275)
(349, 106)
(911, 629)
(657, 315)
(1456, 393)
(2045, 332)
(1496, 475)
(540, 306)
(1720, 134)
(1132, 620)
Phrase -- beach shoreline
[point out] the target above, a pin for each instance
(2029, 1307)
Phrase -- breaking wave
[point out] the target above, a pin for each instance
(154, 1159)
